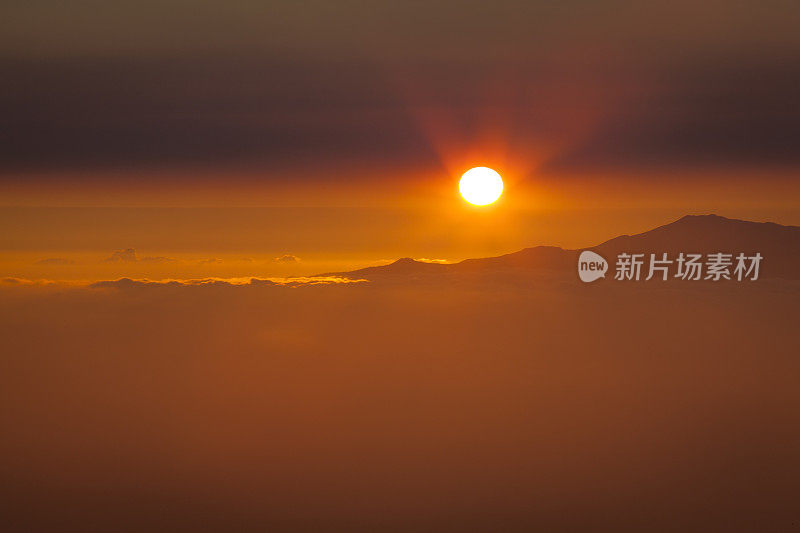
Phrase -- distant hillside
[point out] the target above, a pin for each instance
(778, 244)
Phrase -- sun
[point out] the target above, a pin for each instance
(481, 186)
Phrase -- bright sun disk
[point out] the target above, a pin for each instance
(481, 186)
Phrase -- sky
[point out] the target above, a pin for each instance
(175, 174)
(336, 132)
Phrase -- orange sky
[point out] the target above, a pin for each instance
(61, 231)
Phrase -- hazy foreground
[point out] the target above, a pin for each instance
(544, 406)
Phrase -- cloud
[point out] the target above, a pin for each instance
(23, 282)
(437, 261)
(131, 283)
(474, 394)
(55, 261)
(157, 259)
(128, 283)
(655, 113)
(287, 258)
(702, 114)
(128, 255)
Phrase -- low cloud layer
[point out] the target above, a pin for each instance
(197, 405)
(55, 261)
(128, 283)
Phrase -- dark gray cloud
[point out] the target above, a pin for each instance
(119, 113)
(196, 110)
(734, 113)
(141, 84)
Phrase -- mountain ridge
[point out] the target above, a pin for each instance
(708, 233)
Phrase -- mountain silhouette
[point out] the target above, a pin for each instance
(705, 234)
